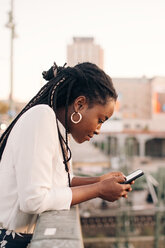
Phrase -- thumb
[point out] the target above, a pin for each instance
(120, 179)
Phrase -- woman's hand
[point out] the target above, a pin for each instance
(111, 175)
(111, 189)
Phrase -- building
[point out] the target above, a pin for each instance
(141, 103)
(138, 124)
(84, 49)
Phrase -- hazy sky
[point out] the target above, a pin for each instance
(131, 32)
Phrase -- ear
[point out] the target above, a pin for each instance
(80, 103)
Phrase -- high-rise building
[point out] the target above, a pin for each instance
(84, 49)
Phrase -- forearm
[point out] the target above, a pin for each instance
(84, 193)
(79, 181)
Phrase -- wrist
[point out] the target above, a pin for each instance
(98, 189)
(95, 188)
(100, 179)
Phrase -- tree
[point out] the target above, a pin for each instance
(4, 107)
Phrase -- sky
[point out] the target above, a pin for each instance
(131, 33)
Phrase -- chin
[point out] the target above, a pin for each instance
(79, 141)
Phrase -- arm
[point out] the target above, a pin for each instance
(109, 189)
(79, 181)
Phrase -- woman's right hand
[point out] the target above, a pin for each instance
(111, 189)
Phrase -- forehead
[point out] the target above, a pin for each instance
(105, 110)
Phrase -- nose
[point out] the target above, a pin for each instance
(97, 131)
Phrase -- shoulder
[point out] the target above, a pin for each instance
(40, 109)
(37, 117)
(39, 112)
(37, 125)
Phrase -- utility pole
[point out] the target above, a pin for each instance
(11, 25)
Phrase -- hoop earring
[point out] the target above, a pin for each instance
(80, 117)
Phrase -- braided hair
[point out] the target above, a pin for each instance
(64, 85)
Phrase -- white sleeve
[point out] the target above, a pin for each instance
(36, 143)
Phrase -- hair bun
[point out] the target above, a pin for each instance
(53, 71)
(48, 75)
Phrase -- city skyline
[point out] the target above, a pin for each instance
(131, 34)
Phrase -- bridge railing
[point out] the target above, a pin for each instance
(58, 229)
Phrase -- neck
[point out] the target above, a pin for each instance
(61, 115)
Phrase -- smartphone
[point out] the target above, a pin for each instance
(133, 176)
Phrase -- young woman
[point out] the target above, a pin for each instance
(35, 171)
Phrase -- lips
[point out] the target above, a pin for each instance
(90, 136)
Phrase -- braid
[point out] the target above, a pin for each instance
(59, 86)
(53, 100)
(66, 110)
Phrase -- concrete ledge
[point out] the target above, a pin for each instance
(58, 229)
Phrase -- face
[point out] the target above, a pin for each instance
(92, 119)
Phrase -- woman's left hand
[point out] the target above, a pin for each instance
(111, 175)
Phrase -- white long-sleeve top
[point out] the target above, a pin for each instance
(32, 174)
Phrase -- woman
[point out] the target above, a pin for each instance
(35, 172)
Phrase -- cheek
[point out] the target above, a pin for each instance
(77, 133)
(79, 137)
(82, 130)
(88, 124)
